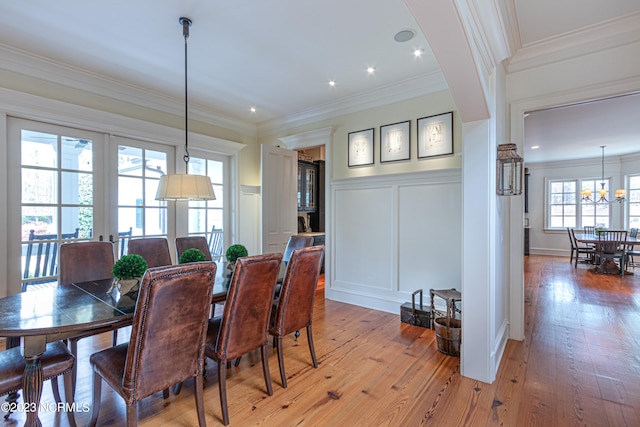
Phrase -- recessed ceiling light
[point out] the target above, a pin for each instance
(418, 52)
(404, 35)
(332, 83)
(252, 109)
(535, 147)
(371, 70)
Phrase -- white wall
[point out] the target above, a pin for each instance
(393, 235)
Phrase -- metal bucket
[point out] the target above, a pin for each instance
(448, 338)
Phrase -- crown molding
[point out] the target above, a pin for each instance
(396, 92)
(41, 68)
(312, 138)
(608, 35)
(34, 107)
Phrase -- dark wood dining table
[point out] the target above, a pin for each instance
(63, 311)
(593, 239)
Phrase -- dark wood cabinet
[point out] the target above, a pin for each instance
(317, 218)
(307, 186)
(526, 241)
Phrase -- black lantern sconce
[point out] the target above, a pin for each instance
(509, 171)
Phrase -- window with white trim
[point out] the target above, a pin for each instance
(633, 195)
(566, 209)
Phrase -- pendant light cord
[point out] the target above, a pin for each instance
(186, 23)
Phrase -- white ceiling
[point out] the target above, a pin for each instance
(279, 55)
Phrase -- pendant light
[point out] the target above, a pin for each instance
(185, 186)
(586, 193)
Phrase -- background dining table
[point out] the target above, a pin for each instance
(64, 311)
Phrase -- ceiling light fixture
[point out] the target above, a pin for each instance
(586, 192)
(418, 52)
(371, 70)
(185, 186)
(252, 109)
(332, 83)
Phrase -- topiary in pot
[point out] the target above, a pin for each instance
(127, 272)
(191, 255)
(234, 252)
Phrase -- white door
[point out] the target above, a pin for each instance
(279, 177)
(56, 193)
(134, 183)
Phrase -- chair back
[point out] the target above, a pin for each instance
(85, 261)
(633, 233)
(169, 328)
(247, 310)
(589, 229)
(123, 239)
(216, 240)
(572, 237)
(154, 250)
(612, 241)
(296, 241)
(295, 306)
(41, 258)
(198, 242)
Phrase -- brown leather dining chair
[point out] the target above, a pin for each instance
(198, 242)
(154, 250)
(295, 305)
(55, 361)
(84, 262)
(167, 339)
(243, 326)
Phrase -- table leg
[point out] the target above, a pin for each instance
(32, 388)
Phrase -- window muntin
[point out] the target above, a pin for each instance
(562, 204)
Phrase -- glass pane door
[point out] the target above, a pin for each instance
(55, 182)
(139, 168)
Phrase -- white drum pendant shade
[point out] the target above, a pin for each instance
(185, 187)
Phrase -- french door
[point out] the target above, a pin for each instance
(69, 184)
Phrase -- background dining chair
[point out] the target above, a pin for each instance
(589, 229)
(295, 241)
(578, 248)
(198, 242)
(243, 326)
(154, 250)
(167, 339)
(295, 306)
(84, 262)
(611, 244)
(55, 361)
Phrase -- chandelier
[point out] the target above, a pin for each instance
(185, 186)
(586, 193)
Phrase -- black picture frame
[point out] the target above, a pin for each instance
(435, 135)
(395, 142)
(360, 147)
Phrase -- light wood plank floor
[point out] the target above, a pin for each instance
(578, 365)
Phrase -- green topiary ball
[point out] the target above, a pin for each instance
(191, 255)
(129, 267)
(236, 251)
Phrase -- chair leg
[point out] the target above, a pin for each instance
(237, 362)
(200, 401)
(132, 415)
(68, 394)
(283, 377)
(55, 389)
(311, 348)
(114, 339)
(265, 369)
(97, 389)
(222, 387)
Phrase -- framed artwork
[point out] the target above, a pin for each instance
(435, 135)
(361, 147)
(394, 142)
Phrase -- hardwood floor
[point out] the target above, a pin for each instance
(578, 365)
